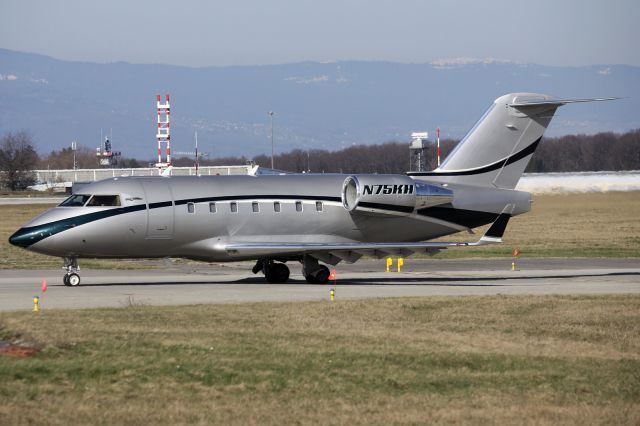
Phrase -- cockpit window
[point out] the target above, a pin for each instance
(104, 201)
(75, 201)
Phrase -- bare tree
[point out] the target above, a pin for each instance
(63, 159)
(85, 158)
(570, 153)
(18, 158)
(576, 153)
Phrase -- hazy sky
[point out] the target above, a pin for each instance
(241, 32)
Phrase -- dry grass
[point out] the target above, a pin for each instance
(14, 216)
(568, 225)
(575, 225)
(518, 360)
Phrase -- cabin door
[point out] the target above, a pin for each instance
(160, 215)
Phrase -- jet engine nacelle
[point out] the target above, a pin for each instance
(397, 193)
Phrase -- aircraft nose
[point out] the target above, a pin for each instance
(21, 238)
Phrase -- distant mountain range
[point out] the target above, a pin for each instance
(317, 105)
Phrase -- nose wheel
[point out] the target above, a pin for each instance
(71, 278)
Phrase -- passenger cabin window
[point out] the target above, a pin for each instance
(212, 207)
(191, 208)
(234, 207)
(255, 207)
(276, 206)
(75, 201)
(298, 206)
(318, 206)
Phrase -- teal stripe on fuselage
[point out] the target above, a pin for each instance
(25, 237)
(28, 236)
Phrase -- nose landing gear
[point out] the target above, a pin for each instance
(71, 278)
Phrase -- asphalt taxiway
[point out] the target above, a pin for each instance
(192, 283)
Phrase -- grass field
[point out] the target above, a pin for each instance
(478, 360)
(573, 225)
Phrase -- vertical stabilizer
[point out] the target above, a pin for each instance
(498, 148)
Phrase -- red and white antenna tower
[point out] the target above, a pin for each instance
(438, 139)
(163, 134)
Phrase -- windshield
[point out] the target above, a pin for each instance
(104, 201)
(75, 201)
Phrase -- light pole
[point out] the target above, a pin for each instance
(74, 146)
(271, 116)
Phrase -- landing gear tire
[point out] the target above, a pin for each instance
(320, 276)
(72, 280)
(277, 273)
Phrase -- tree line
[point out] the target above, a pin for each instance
(85, 158)
(605, 151)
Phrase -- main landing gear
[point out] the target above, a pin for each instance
(313, 272)
(278, 273)
(275, 273)
(71, 278)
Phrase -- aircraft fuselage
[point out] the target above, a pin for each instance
(196, 217)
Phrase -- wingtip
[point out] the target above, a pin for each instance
(496, 230)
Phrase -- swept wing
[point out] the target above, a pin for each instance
(333, 253)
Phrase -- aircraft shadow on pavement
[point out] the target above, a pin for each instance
(391, 281)
(472, 281)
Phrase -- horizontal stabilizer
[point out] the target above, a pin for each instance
(555, 102)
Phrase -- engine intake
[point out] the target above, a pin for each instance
(390, 193)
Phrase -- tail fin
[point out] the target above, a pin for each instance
(498, 148)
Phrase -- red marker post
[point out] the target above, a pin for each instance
(515, 257)
(36, 299)
(332, 277)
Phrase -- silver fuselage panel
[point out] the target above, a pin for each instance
(196, 217)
